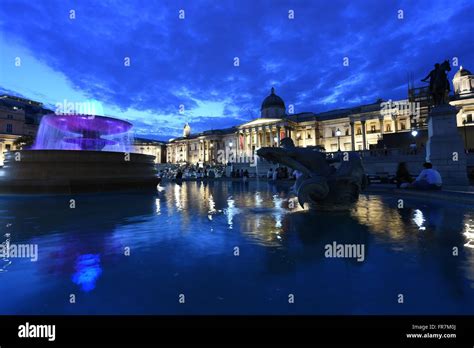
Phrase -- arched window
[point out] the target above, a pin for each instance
(388, 128)
(359, 131)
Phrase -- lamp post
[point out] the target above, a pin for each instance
(338, 135)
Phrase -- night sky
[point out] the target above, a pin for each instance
(190, 61)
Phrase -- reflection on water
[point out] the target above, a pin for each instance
(469, 231)
(87, 271)
(182, 238)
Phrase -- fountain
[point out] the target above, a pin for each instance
(83, 132)
(78, 153)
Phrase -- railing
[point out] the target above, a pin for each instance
(383, 152)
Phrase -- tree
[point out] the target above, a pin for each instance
(24, 141)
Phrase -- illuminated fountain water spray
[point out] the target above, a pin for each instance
(84, 132)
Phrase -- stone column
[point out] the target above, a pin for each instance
(445, 148)
(381, 124)
(352, 135)
(278, 136)
(251, 142)
(236, 147)
(264, 137)
(395, 123)
(364, 135)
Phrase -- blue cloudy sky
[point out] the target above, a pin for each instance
(190, 61)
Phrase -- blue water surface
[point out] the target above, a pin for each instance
(233, 248)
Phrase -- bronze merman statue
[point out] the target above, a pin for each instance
(320, 185)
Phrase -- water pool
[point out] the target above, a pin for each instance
(233, 248)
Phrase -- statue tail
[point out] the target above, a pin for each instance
(312, 190)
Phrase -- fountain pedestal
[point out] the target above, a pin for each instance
(76, 171)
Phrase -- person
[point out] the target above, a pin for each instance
(270, 174)
(275, 174)
(245, 175)
(402, 176)
(429, 179)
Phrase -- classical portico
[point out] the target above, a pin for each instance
(262, 132)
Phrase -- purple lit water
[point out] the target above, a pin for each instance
(83, 132)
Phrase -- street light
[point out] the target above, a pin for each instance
(338, 135)
(414, 133)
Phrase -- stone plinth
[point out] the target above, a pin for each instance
(445, 148)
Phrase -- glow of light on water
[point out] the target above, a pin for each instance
(230, 211)
(177, 197)
(419, 219)
(158, 206)
(212, 205)
(278, 202)
(258, 199)
(469, 234)
(87, 271)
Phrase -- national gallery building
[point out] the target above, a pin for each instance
(383, 124)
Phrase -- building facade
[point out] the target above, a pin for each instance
(19, 118)
(358, 128)
(150, 147)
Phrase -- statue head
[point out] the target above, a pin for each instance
(287, 143)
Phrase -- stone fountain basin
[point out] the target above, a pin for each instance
(76, 171)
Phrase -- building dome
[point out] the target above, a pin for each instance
(272, 106)
(186, 130)
(462, 72)
(463, 82)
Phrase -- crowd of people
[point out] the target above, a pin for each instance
(189, 171)
(280, 173)
(428, 179)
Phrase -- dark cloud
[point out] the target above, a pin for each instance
(177, 62)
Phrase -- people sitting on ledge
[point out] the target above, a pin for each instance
(403, 177)
(429, 179)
